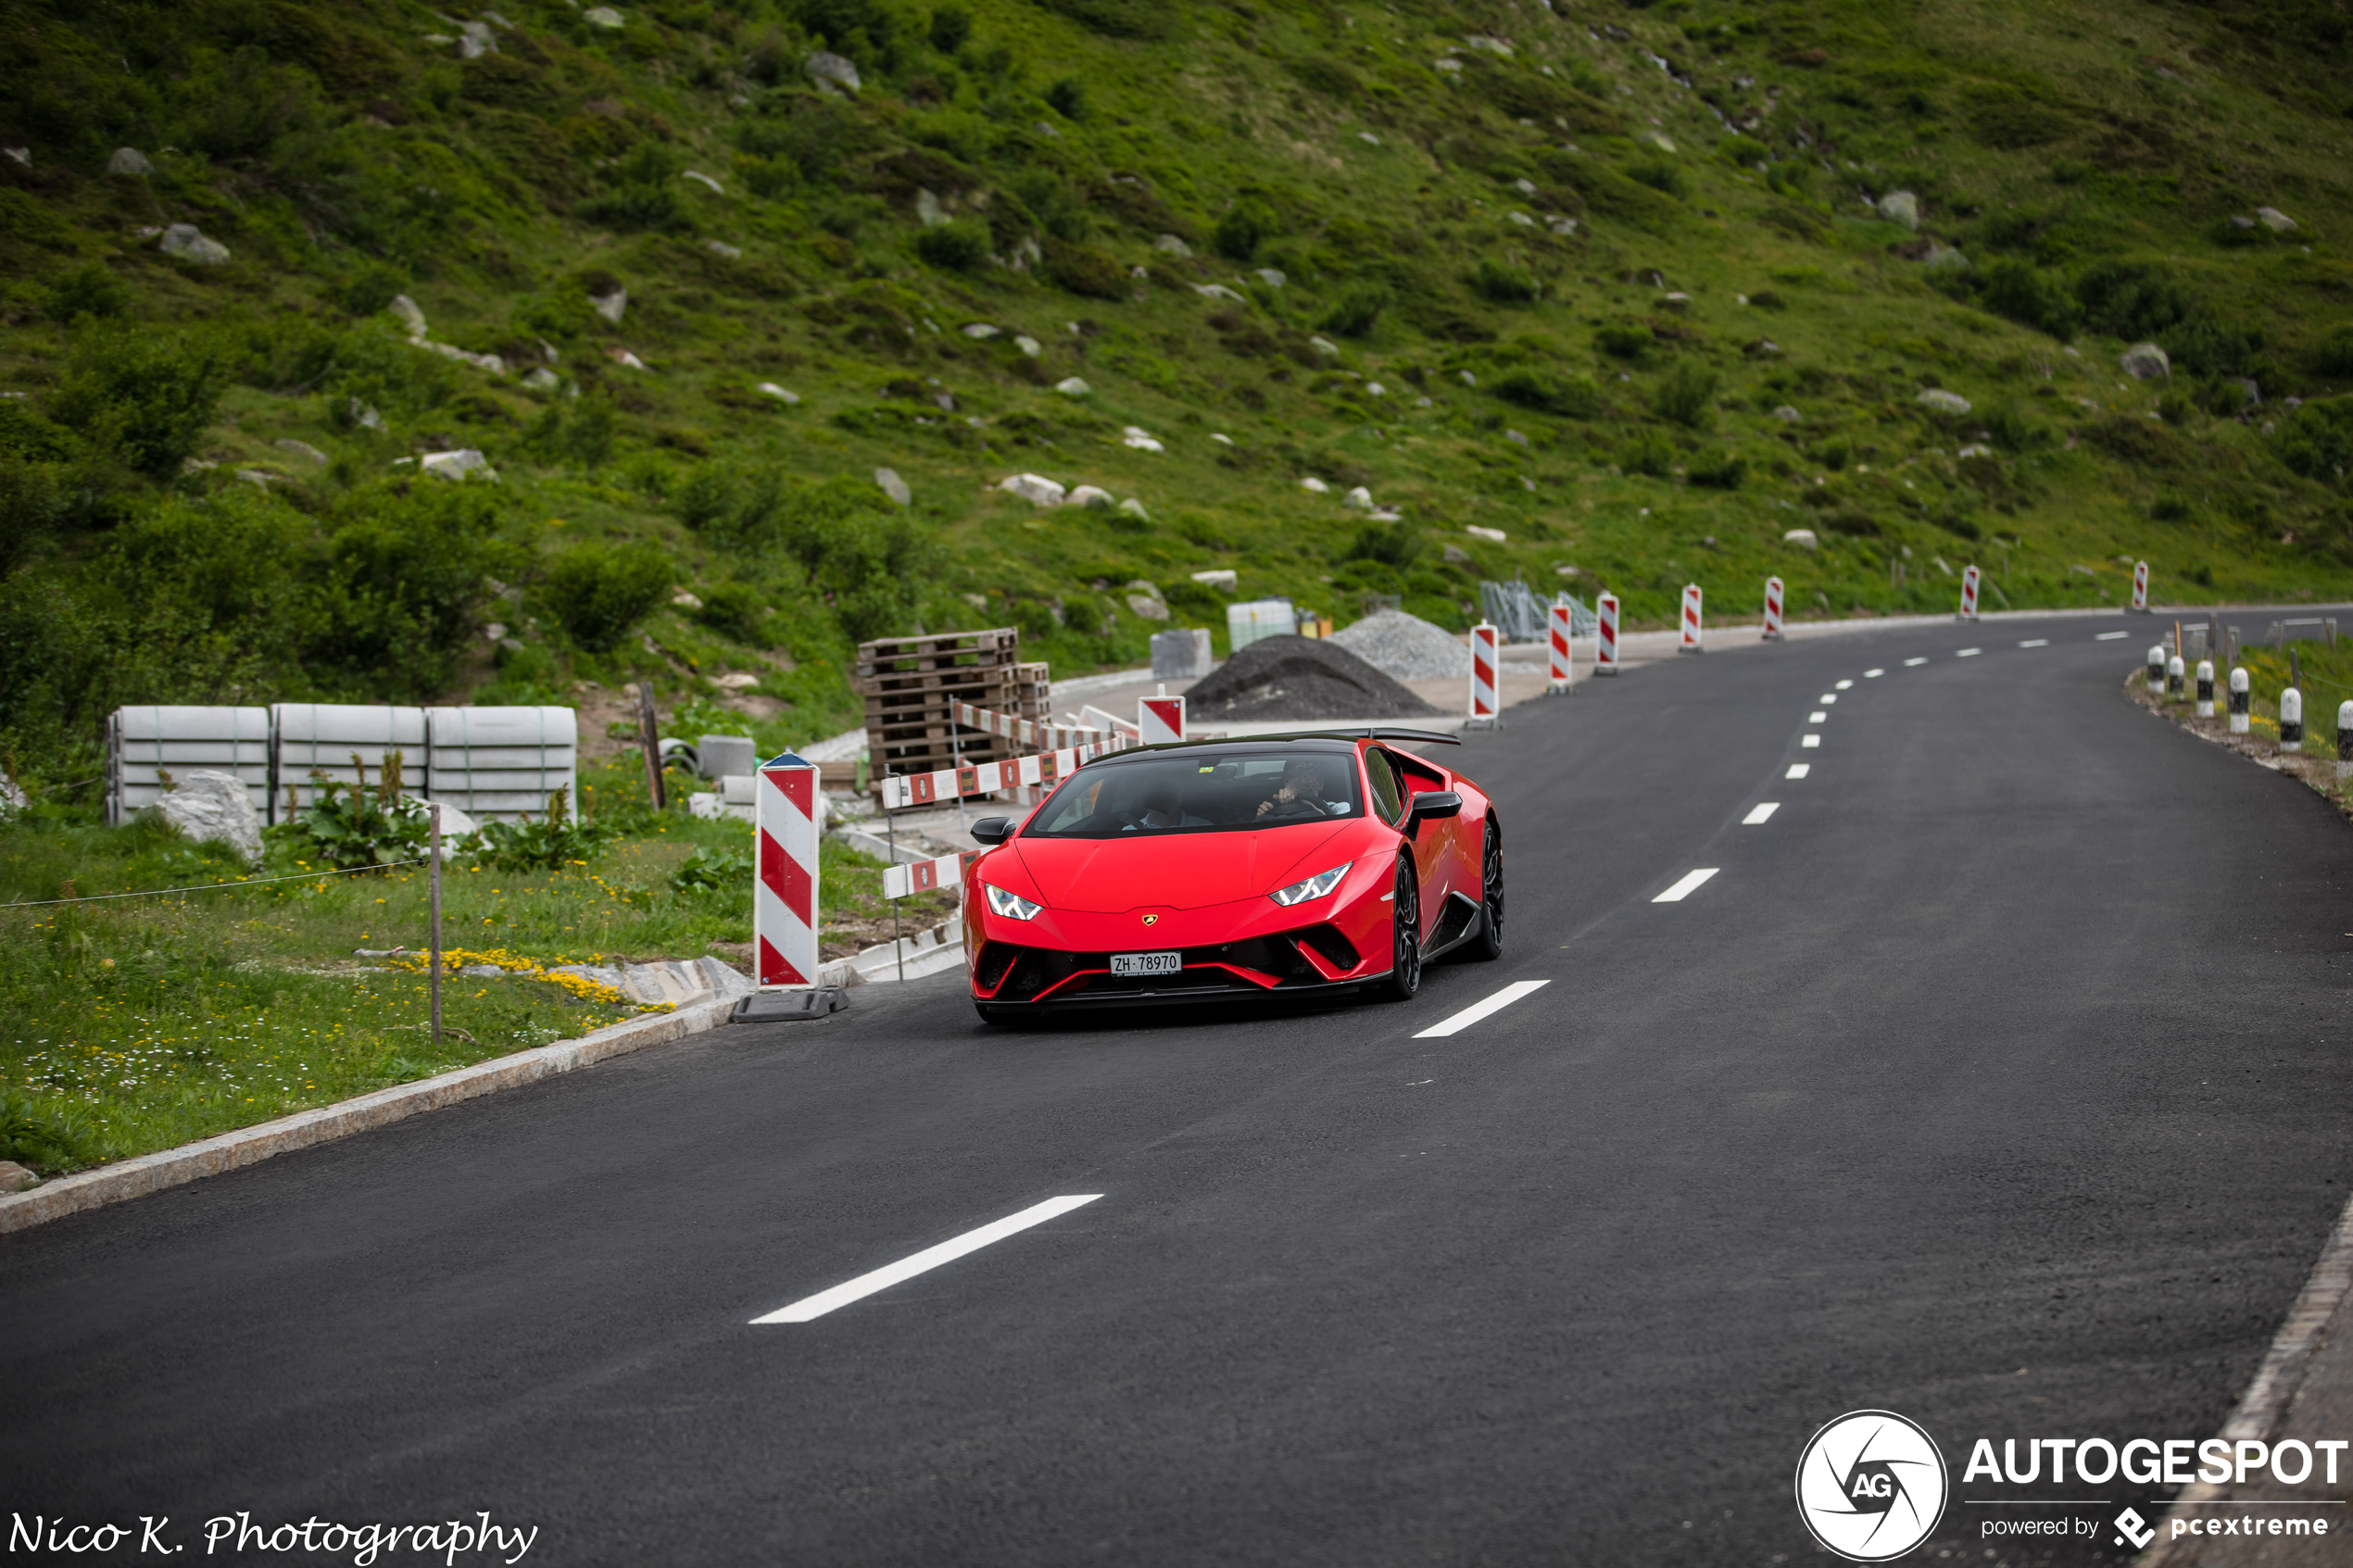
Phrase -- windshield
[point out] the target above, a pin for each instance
(1200, 792)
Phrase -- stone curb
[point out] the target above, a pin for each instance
(247, 1145)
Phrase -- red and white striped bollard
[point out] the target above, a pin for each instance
(1690, 643)
(785, 822)
(1485, 665)
(1605, 635)
(1563, 674)
(1969, 592)
(2140, 587)
(1772, 609)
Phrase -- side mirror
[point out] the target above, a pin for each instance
(996, 830)
(1433, 803)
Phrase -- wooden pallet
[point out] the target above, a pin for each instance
(961, 679)
(903, 656)
(1019, 704)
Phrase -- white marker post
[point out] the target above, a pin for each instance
(2156, 667)
(2290, 719)
(1969, 594)
(2173, 676)
(2345, 740)
(1772, 609)
(1691, 637)
(2206, 688)
(1605, 635)
(2238, 701)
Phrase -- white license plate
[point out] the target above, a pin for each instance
(1146, 963)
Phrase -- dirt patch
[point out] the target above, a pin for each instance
(1305, 678)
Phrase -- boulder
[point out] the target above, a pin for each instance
(1035, 489)
(1516, 438)
(1028, 346)
(1314, 485)
(1943, 402)
(623, 357)
(1360, 497)
(1368, 138)
(1174, 247)
(1662, 141)
(131, 161)
(773, 389)
(189, 244)
(601, 16)
(1521, 218)
(1220, 577)
(1803, 538)
(1563, 226)
(1787, 415)
(363, 416)
(1901, 207)
(1217, 291)
(1942, 258)
(894, 487)
(1525, 186)
(1135, 508)
(403, 310)
(721, 248)
(980, 330)
(1323, 346)
(209, 807)
(1494, 535)
(699, 178)
(2274, 220)
(456, 465)
(2146, 362)
(1090, 496)
(1454, 555)
(1071, 386)
(927, 211)
(1469, 378)
(475, 41)
(1145, 600)
(1273, 277)
(302, 449)
(1374, 389)
(610, 305)
(825, 66)
(542, 379)
(1138, 441)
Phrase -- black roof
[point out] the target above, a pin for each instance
(1335, 738)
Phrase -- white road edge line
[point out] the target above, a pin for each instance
(2109, 636)
(930, 1258)
(1760, 813)
(2036, 642)
(1684, 888)
(1478, 1010)
(1798, 769)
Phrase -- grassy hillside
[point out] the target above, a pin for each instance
(1622, 282)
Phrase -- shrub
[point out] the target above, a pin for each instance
(352, 827)
(1068, 99)
(1724, 472)
(2015, 288)
(1662, 176)
(712, 871)
(148, 394)
(87, 290)
(1084, 269)
(402, 583)
(1685, 393)
(1391, 544)
(709, 495)
(1576, 397)
(737, 610)
(950, 27)
(1505, 284)
(1248, 224)
(954, 247)
(1622, 342)
(1648, 454)
(1357, 308)
(548, 842)
(599, 592)
(2317, 440)
(2333, 355)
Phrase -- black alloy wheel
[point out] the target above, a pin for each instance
(1405, 935)
(1491, 919)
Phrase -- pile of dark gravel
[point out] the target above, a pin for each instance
(1304, 678)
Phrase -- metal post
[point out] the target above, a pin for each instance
(956, 750)
(433, 911)
(897, 941)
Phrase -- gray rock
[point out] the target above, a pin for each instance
(2274, 220)
(1149, 607)
(1516, 438)
(1943, 402)
(189, 244)
(208, 806)
(131, 161)
(980, 332)
(405, 308)
(1323, 346)
(475, 41)
(827, 66)
(927, 209)
(1033, 488)
(610, 305)
(1469, 378)
(542, 379)
(1787, 415)
(1803, 538)
(773, 389)
(1901, 207)
(302, 449)
(1090, 496)
(601, 16)
(365, 416)
(1174, 247)
(705, 180)
(1135, 508)
(1028, 346)
(15, 1177)
(455, 465)
(1942, 258)
(1273, 277)
(2146, 362)
(894, 487)
(1071, 386)
(483, 971)
(1360, 497)
(1455, 555)
(1404, 647)
(1215, 291)
(721, 248)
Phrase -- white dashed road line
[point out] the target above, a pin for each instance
(1478, 1010)
(1909, 662)
(1809, 742)
(2109, 636)
(1844, 684)
(1873, 674)
(1827, 697)
(1684, 888)
(1797, 770)
(2036, 642)
(1968, 653)
(1762, 812)
(930, 1258)
(1816, 717)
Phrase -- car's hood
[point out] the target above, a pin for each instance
(1182, 871)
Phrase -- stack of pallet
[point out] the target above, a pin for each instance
(908, 682)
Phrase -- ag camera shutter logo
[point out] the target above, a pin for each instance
(1871, 1485)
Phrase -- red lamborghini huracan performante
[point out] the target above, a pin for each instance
(1284, 865)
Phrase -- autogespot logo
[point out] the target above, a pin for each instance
(1871, 1485)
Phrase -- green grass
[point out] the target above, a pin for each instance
(134, 1024)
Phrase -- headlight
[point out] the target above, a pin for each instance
(1012, 906)
(1314, 886)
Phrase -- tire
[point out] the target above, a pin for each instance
(1405, 936)
(1489, 943)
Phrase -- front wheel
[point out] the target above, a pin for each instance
(1489, 941)
(1405, 935)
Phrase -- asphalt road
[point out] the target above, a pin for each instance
(1997, 1078)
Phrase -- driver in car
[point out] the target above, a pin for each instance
(1300, 793)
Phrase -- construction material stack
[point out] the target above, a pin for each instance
(908, 683)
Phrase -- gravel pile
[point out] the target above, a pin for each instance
(1304, 678)
(1405, 646)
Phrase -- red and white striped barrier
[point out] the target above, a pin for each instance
(1043, 769)
(1690, 643)
(1101, 723)
(1563, 674)
(901, 881)
(1160, 720)
(2140, 587)
(1021, 731)
(1969, 592)
(784, 891)
(1772, 609)
(1605, 635)
(1485, 663)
